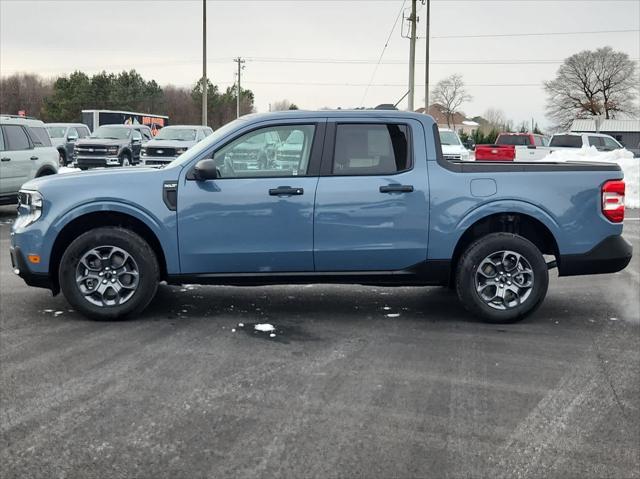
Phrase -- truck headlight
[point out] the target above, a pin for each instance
(29, 206)
(180, 151)
(465, 155)
(143, 151)
(112, 150)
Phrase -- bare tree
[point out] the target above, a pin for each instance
(23, 91)
(451, 94)
(601, 82)
(496, 118)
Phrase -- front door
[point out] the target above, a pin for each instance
(372, 203)
(257, 217)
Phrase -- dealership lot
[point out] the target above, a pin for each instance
(358, 382)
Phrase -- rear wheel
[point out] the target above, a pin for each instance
(62, 158)
(109, 273)
(502, 278)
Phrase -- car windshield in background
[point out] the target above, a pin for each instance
(112, 133)
(566, 141)
(56, 131)
(178, 134)
(518, 140)
(449, 138)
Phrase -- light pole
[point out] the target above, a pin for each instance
(412, 55)
(426, 63)
(204, 63)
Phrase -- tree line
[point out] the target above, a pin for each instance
(63, 99)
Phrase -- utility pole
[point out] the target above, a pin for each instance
(412, 55)
(240, 62)
(204, 63)
(426, 63)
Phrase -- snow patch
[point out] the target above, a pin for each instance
(393, 315)
(264, 327)
(66, 169)
(630, 167)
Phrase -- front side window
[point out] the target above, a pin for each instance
(1, 140)
(56, 131)
(273, 151)
(146, 133)
(610, 143)
(566, 141)
(371, 149)
(16, 138)
(73, 133)
(137, 136)
(83, 132)
(448, 138)
(537, 140)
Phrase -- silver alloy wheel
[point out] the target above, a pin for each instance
(107, 276)
(125, 161)
(504, 280)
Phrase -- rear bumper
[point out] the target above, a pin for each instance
(19, 265)
(611, 255)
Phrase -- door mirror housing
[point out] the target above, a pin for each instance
(206, 170)
(72, 138)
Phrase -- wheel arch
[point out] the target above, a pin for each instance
(45, 170)
(515, 222)
(98, 219)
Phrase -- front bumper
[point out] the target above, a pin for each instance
(96, 161)
(38, 280)
(157, 160)
(611, 255)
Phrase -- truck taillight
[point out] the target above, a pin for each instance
(613, 200)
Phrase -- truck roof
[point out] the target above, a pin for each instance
(293, 114)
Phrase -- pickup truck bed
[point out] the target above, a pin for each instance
(371, 200)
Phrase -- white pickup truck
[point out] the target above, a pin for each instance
(600, 141)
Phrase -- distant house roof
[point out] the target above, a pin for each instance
(437, 112)
(632, 125)
(470, 123)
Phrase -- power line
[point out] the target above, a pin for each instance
(386, 44)
(302, 83)
(534, 34)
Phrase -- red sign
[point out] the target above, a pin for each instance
(22, 112)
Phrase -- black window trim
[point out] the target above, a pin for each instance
(326, 168)
(315, 154)
(7, 143)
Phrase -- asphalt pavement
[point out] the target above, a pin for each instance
(358, 381)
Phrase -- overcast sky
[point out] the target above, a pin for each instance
(163, 40)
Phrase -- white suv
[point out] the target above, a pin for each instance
(602, 142)
(25, 153)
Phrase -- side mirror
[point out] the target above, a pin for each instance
(206, 170)
(72, 138)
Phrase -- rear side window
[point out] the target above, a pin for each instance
(610, 143)
(517, 140)
(371, 149)
(39, 136)
(566, 141)
(537, 140)
(16, 138)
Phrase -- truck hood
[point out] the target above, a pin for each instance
(101, 141)
(169, 144)
(120, 179)
(453, 149)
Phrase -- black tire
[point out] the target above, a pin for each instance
(145, 261)
(125, 158)
(476, 253)
(62, 158)
(45, 172)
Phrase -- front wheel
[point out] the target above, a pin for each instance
(125, 159)
(502, 278)
(109, 273)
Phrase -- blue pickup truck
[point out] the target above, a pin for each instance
(363, 197)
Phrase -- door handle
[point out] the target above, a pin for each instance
(396, 189)
(285, 191)
(5, 159)
(34, 158)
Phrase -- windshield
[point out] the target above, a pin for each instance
(449, 138)
(112, 133)
(178, 134)
(56, 131)
(205, 144)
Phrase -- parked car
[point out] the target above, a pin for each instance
(64, 137)
(25, 153)
(600, 141)
(372, 201)
(452, 147)
(171, 142)
(111, 145)
(514, 147)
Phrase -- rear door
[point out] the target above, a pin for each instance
(16, 158)
(372, 200)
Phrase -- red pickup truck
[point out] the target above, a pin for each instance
(514, 147)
